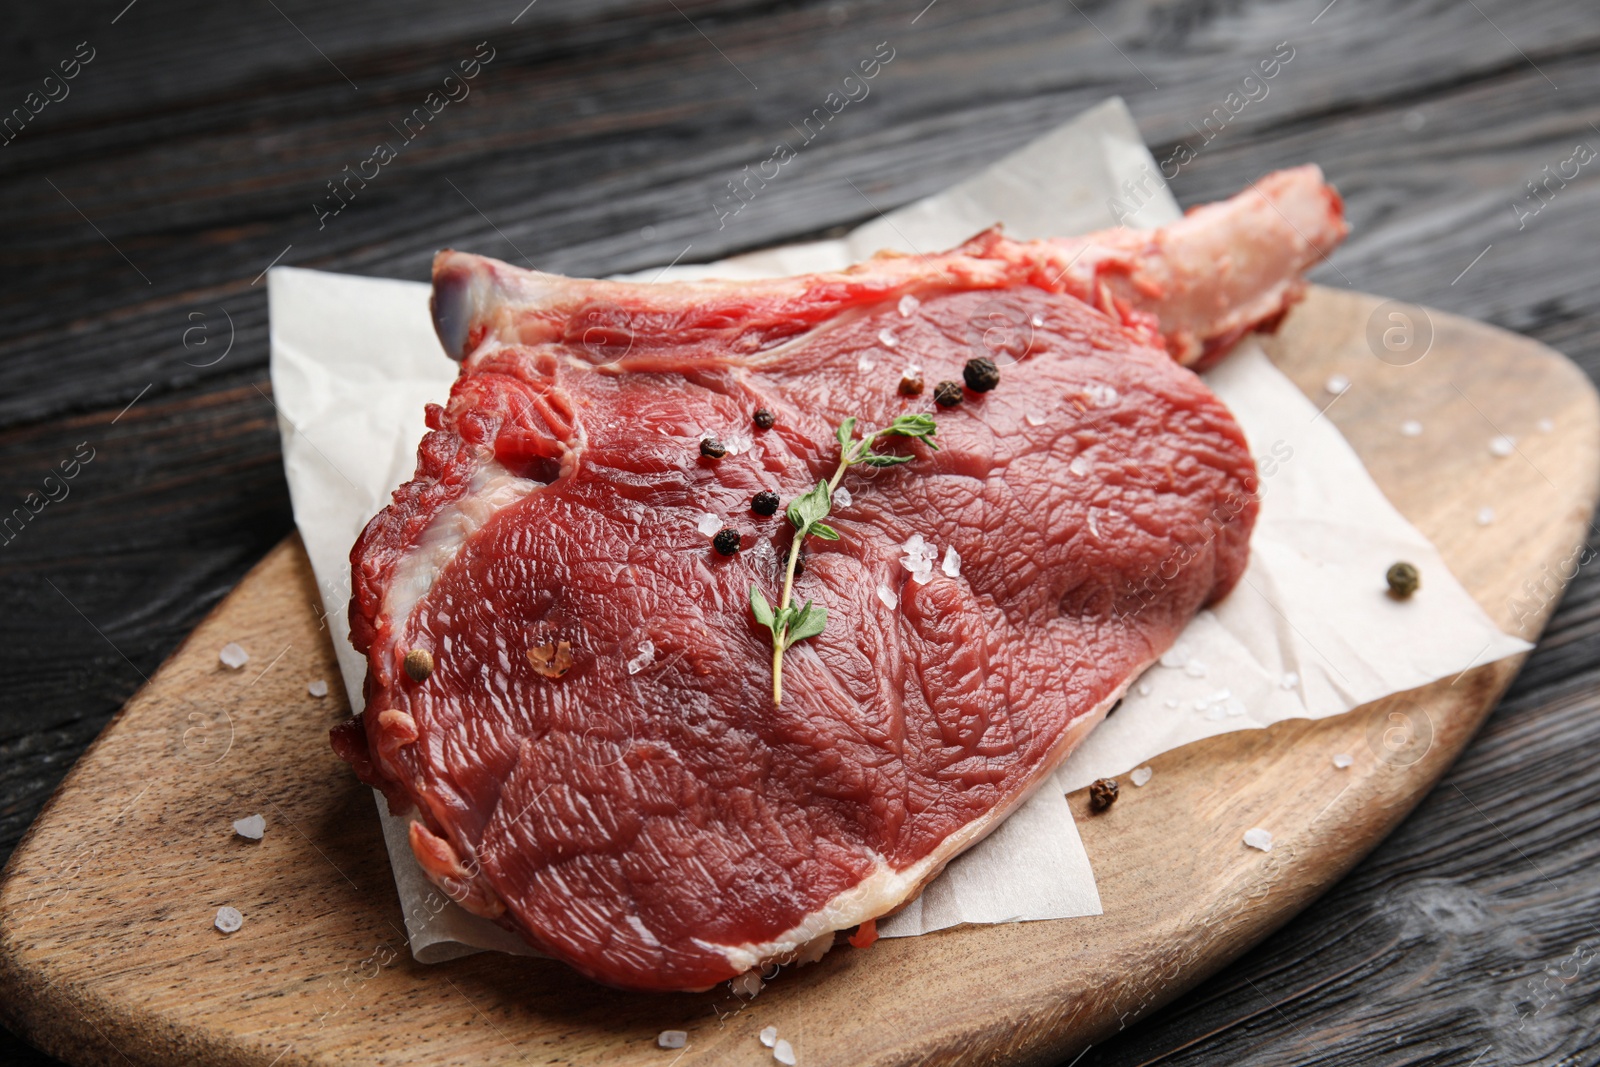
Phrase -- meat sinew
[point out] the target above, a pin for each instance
(591, 742)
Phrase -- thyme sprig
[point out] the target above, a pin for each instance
(788, 623)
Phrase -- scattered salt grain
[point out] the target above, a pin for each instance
(233, 656)
(1194, 669)
(1411, 428)
(1256, 837)
(1033, 418)
(842, 497)
(1176, 656)
(1503, 446)
(1290, 680)
(672, 1039)
(918, 558)
(769, 1035)
(1485, 516)
(1215, 713)
(318, 688)
(864, 364)
(709, 524)
(1343, 760)
(645, 657)
(1037, 321)
(887, 339)
(922, 577)
(952, 562)
(1337, 384)
(736, 442)
(1546, 425)
(1144, 689)
(252, 826)
(1141, 775)
(1079, 466)
(783, 1052)
(887, 595)
(228, 920)
(747, 985)
(908, 306)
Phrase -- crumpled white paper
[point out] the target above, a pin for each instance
(1307, 633)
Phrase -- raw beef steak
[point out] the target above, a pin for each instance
(565, 679)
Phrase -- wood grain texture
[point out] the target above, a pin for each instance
(200, 135)
(136, 851)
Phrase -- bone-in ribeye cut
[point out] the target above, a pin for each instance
(595, 758)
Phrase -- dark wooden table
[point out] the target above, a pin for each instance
(194, 146)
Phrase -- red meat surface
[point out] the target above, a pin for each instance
(650, 816)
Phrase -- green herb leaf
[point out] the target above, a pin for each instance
(824, 531)
(920, 426)
(809, 623)
(810, 506)
(846, 431)
(760, 608)
(878, 459)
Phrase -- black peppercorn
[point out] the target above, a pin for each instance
(711, 448)
(981, 374)
(911, 384)
(1403, 580)
(726, 541)
(1102, 793)
(764, 418)
(765, 503)
(947, 394)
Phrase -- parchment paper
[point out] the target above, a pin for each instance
(1309, 632)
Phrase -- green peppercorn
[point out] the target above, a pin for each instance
(764, 419)
(765, 503)
(727, 541)
(947, 394)
(711, 448)
(981, 374)
(1403, 581)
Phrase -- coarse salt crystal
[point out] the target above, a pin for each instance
(887, 595)
(1094, 525)
(1485, 516)
(1037, 321)
(228, 920)
(887, 339)
(1546, 425)
(842, 497)
(709, 524)
(1411, 428)
(1256, 837)
(1194, 669)
(1080, 465)
(1140, 775)
(737, 442)
(1176, 656)
(672, 1039)
(1337, 384)
(1215, 712)
(251, 826)
(1503, 446)
(908, 306)
(1290, 680)
(923, 576)
(1144, 689)
(318, 688)
(1343, 760)
(748, 984)
(783, 1052)
(233, 655)
(952, 562)
(864, 364)
(769, 1035)
(913, 545)
(1101, 396)
(1033, 418)
(645, 657)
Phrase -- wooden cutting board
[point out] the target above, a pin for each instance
(108, 954)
